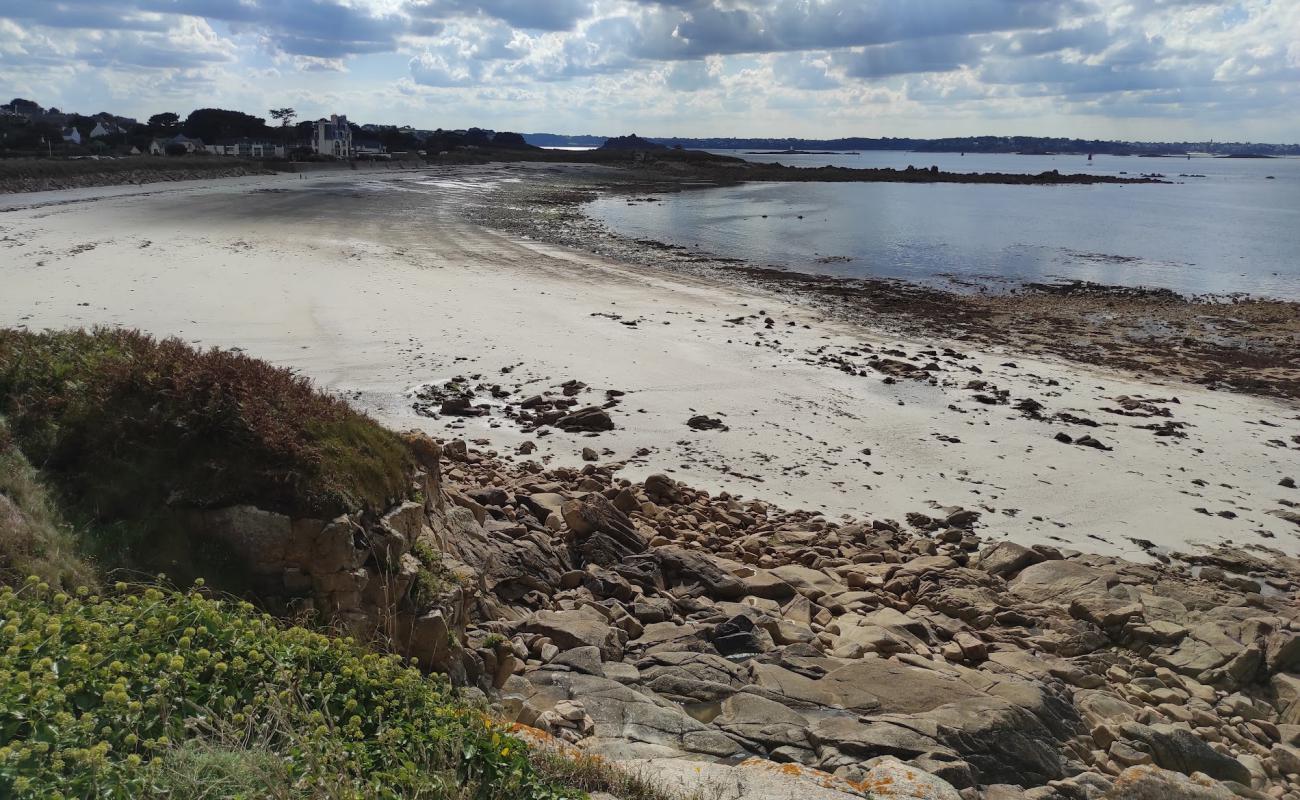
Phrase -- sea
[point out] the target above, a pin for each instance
(1221, 226)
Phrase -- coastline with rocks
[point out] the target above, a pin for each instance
(1016, 575)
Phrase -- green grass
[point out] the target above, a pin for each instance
(34, 538)
(129, 428)
(595, 774)
(146, 693)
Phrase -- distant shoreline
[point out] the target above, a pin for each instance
(802, 153)
(1137, 330)
(34, 175)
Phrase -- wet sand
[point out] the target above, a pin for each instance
(380, 285)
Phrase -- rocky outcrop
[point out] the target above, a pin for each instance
(658, 623)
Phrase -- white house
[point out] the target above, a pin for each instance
(247, 148)
(103, 129)
(332, 137)
(158, 147)
(368, 148)
(72, 135)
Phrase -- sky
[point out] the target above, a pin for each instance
(1168, 70)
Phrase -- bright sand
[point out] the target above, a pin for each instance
(373, 284)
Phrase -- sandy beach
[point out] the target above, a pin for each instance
(379, 286)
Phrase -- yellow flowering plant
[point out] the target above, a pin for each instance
(87, 710)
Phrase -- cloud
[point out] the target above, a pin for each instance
(690, 76)
(806, 71)
(318, 28)
(546, 15)
(719, 27)
(690, 65)
(934, 54)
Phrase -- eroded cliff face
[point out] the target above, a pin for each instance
(653, 621)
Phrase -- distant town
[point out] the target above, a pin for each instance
(29, 130)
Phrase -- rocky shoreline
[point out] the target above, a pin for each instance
(1243, 344)
(603, 605)
(652, 623)
(666, 629)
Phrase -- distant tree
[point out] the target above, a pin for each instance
(83, 124)
(214, 124)
(24, 135)
(285, 116)
(478, 137)
(511, 140)
(20, 106)
(165, 122)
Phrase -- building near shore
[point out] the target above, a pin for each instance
(369, 148)
(332, 137)
(247, 148)
(158, 147)
(104, 128)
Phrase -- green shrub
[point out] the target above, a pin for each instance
(128, 427)
(432, 578)
(34, 539)
(146, 693)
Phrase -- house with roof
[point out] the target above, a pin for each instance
(246, 147)
(332, 137)
(103, 128)
(71, 136)
(158, 147)
(369, 148)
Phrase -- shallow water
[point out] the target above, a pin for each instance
(1232, 231)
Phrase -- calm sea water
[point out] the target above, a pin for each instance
(1232, 231)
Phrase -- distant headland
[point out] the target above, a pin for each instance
(1028, 145)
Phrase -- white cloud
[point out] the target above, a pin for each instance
(691, 66)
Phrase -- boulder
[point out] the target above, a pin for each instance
(692, 573)
(544, 504)
(1058, 582)
(1178, 749)
(623, 715)
(1153, 783)
(739, 636)
(752, 779)
(1286, 690)
(762, 722)
(810, 583)
(586, 659)
(595, 517)
(661, 488)
(1001, 742)
(687, 677)
(1287, 758)
(887, 686)
(795, 690)
(509, 568)
(584, 627)
(590, 419)
(763, 583)
(1206, 647)
(1105, 611)
(891, 779)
